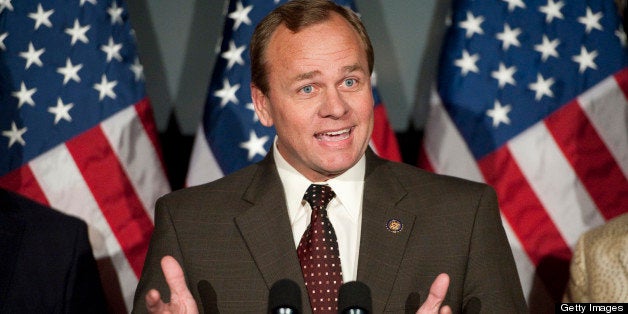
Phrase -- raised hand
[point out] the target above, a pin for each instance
(438, 291)
(181, 300)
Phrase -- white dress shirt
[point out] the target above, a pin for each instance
(344, 210)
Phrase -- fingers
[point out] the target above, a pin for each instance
(174, 276)
(153, 301)
(438, 291)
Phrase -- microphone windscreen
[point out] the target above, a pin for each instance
(284, 294)
(473, 306)
(354, 295)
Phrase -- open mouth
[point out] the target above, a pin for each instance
(334, 136)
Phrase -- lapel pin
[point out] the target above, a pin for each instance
(394, 225)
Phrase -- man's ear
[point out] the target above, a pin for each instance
(261, 103)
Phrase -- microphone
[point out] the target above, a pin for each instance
(284, 297)
(354, 297)
(208, 297)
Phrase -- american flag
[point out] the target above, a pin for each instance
(230, 135)
(532, 100)
(77, 129)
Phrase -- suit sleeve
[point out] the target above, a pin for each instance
(84, 291)
(163, 242)
(492, 282)
(576, 288)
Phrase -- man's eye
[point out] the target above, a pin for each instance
(350, 82)
(307, 89)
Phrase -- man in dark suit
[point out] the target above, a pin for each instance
(46, 261)
(411, 236)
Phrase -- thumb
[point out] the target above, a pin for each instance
(438, 291)
(174, 277)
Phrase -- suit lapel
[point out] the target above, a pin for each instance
(266, 229)
(381, 250)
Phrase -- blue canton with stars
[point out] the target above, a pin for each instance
(508, 64)
(235, 136)
(66, 66)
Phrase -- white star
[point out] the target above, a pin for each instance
(233, 55)
(116, 13)
(467, 63)
(41, 16)
(78, 32)
(15, 135)
(255, 145)
(240, 15)
(3, 36)
(227, 93)
(619, 33)
(472, 24)
(70, 72)
(585, 59)
(499, 114)
(509, 37)
(6, 4)
(90, 1)
(591, 20)
(32, 55)
(105, 88)
(552, 10)
(252, 108)
(112, 50)
(61, 111)
(504, 75)
(542, 87)
(513, 4)
(137, 69)
(24, 95)
(547, 48)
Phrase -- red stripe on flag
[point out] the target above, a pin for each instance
(145, 114)
(23, 181)
(114, 194)
(590, 158)
(622, 80)
(383, 137)
(529, 221)
(522, 208)
(424, 160)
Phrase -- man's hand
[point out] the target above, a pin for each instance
(181, 300)
(438, 291)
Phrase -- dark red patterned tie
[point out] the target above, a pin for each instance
(318, 253)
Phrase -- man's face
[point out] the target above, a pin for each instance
(319, 99)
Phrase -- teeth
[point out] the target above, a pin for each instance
(337, 132)
(334, 136)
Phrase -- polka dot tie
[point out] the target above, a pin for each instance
(318, 253)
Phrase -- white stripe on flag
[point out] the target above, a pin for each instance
(64, 187)
(203, 166)
(553, 180)
(525, 268)
(605, 104)
(128, 139)
(447, 151)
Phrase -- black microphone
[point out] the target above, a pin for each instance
(354, 297)
(209, 301)
(284, 297)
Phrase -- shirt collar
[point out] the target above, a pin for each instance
(347, 186)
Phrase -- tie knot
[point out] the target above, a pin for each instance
(318, 195)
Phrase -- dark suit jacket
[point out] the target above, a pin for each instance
(46, 261)
(235, 234)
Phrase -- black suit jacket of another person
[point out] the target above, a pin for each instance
(235, 234)
(46, 261)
